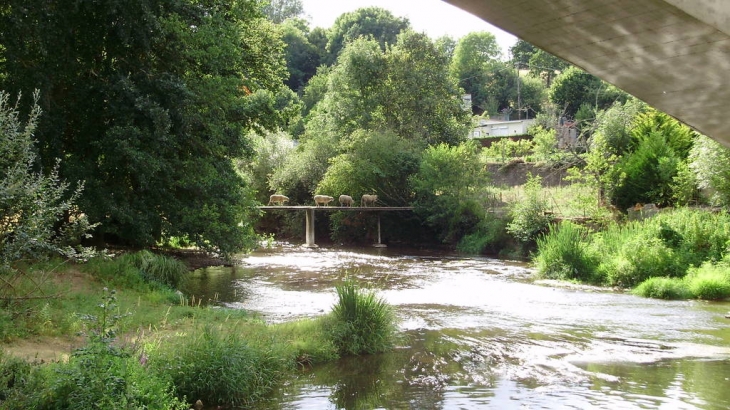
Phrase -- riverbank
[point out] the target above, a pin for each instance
(159, 348)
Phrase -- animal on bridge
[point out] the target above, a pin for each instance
(278, 199)
(346, 200)
(322, 200)
(368, 200)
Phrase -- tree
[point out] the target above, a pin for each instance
(544, 65)
(302, 57)
(476, 67)
(149, 108)
(660, 144)
(279, 10)
(574, 87)
(369, 22)
(450, 188)
(708, 161)
(521, 53)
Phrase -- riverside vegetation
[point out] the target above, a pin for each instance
(146, 346)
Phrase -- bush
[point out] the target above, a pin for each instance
(663, 288)
(490, 236)
(220, 368)
(529, 216)
(360, 322)
(709, 282)
(562, 254)
(103, 374)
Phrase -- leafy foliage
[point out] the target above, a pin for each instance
(660, 145)
(666, 245)
(104, 375)
(563, 254)
(450, 190)
(150, 108)
(38, 215)
(369, 22)
(574, 87)
(708, 160)
(530, 216)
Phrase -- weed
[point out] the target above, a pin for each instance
(361, 322)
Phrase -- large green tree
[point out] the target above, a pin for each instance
(475, 65)
(302, 57)
(280, 10)
(368, 22)
(574, 88)
(148, 101)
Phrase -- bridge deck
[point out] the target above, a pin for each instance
(338, 208)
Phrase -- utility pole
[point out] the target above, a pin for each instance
(519, 99)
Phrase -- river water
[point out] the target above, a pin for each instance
(479, 333)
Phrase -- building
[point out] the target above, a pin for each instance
(493, 128)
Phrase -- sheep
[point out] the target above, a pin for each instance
(368, 199)
(346, 200)
(278, 199)
(323, 200)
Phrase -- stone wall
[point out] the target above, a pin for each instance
(515, 174)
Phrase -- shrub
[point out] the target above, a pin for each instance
(709, 282)
(663, 288)
(104, 375)
(562, 254)
(220, 368)
(361, 322)
(490, 236)
(529, 216)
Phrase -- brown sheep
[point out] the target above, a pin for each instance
(278, 199)
(322, 200)
(346, 200)
(368, 199)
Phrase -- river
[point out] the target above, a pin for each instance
(478, 333)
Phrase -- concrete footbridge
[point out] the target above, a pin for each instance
(673, 54)
(309, 212)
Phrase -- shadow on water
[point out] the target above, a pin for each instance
(478, 333)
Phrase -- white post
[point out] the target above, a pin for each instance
(309, 212)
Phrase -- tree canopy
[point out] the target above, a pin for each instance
(148, 101)
(368, 22)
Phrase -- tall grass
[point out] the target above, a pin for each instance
(220, 367)
(563, 254)
(158, 268)
(360, 321)
(140, 271)
(627, 254)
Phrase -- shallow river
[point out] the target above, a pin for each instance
(479, 334)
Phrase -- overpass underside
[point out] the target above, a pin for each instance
(673, 54)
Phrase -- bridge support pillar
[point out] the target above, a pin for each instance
(309, 234)
(379, 244)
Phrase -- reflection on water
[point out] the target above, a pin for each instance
(479, 334)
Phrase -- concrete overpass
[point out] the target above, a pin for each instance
(673, 54)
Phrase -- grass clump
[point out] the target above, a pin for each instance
(628, 254)
(221, 367)
(663, 288)
(563, 254)
(361, 322)
(709, 281)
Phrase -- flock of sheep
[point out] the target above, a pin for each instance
(324, 200)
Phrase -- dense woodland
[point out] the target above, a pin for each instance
(166, 122)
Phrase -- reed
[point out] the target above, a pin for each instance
(562, 254)
(361, 322)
